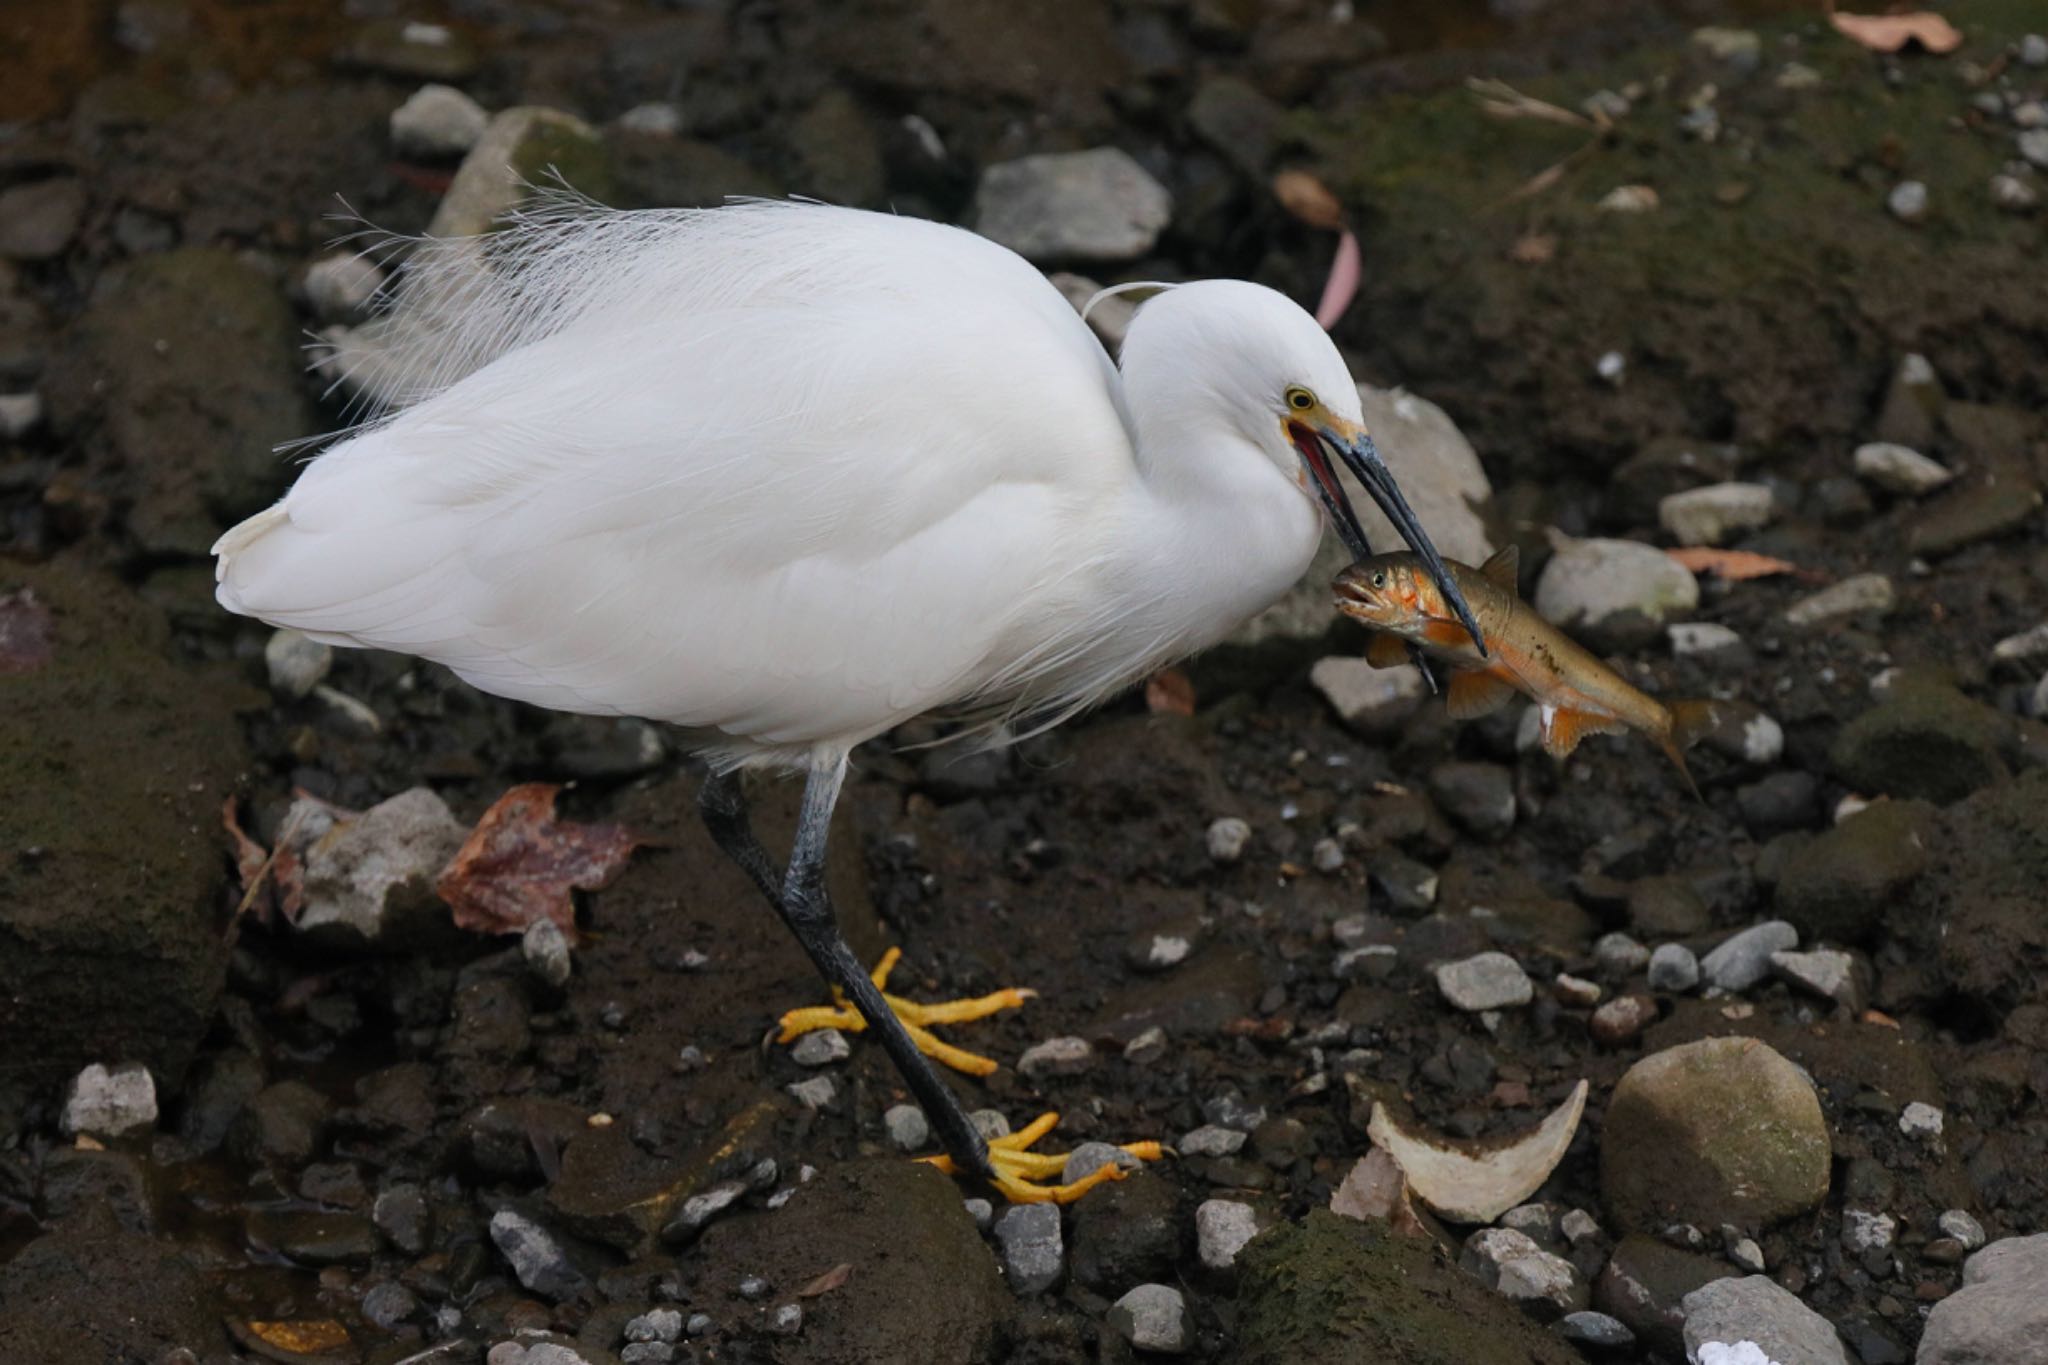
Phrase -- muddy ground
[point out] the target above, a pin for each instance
(339, 1127)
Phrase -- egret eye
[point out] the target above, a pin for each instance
(1301, 400)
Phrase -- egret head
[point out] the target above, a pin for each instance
(1251, 357)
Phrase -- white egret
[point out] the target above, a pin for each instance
(785, 476)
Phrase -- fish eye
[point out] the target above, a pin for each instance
(1379, 578)
(1300, 399)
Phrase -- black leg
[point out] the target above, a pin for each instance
(806, 909)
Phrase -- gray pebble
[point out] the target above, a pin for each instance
(2034, 50)
(1227, 838)
(1211, 1140)
(109, 1102)
(1090, 1157)
(534, 1255)
(657, 1324)
(546, 950)
(437, 121)
(1743, 960)
(1222, 1227)
(647, 1353)
(1907, 201)
(1674, 968)
(1067, 1056)
(1032, 1250)
(787, 1320)
(1620, 955)
(1485, 981)
(296, 665)
(1589, 1328)
(982, 1212)
(907, 1127)
(813, 1093)
(1153, 1317)
(700, 1209)
(1960, 1225)
(2034, 146)
(821, 1048)
(699, 1324)
(753, 1288)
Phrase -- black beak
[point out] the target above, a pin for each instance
(1363, 459)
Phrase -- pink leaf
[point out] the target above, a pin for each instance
(1342, 285)
(1890, 32)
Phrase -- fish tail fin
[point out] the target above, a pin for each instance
(1690, 721)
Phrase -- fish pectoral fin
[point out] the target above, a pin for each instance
(1474, 694)
(1562, 729)
(1386, 651)
(1503, 569)
(1690, 722)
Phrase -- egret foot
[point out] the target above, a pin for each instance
(1016, 1170)
(916, 1018)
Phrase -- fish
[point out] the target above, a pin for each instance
(1577, 695)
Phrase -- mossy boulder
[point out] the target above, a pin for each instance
(1924, 740)
(114, 763)
(1724, 1130)
(1839, 885)
(1979, 907)
(1328, 1290)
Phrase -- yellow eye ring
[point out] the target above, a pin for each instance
(1300, 399)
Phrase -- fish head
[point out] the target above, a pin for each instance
(1388, 592)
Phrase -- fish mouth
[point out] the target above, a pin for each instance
(1357, 598)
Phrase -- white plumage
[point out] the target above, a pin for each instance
(787, 475)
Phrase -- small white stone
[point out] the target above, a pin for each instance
(2033, 145)
(2034, 50)
(1957, 1223)
(1227, 838)
(546, 950)
(821, 1048)
(1863, 1231)
(1153, 1317)
(341, 287)
(1612, 366)
(2013, 194)
(1710, 515)
(1763, 740)
(1211, 1140)
(1327, 855)
(1579, 1226)
(1907, 201)
(1067, 1056)
(437, 121)
(1922, 1122)
(1619, 955)
(1690, 638)
(1033, 1253)
(1797, 76)
(1373, 701)
(109, 1103)
(657, 119)
(1575, 990)
(1746, 1254)
(1222, 1227)
(1628, 199)
(1485, 981)
(1674, 968)
(2024, 647)
(1510, 1263)
(814, 1092)
(1899, 469)
(296, 664)
(1860, 593)
(20, 413)
(907, 1127)
(1147, 1047)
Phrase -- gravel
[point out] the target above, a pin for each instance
(1068, 1056)
(109, 1102)
(1153, 1317)
(823, 1047)
(814, 1092)
(1226, 839)
(907, 1127)
(1486, 981)
(1030, 1246)
(1222, 1227)
(1097, 205)
(1211, 1140)
(1826, 972)
(1921, 1122)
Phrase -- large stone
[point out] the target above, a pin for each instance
(1614, 590)
(39, 219)
(1372, 701)
(1838, 886)
(1758, 1309)
(1923, 740)
(1724, 1130)
(925, 1286)
(1097, 205)
(118, 763)
(370, 880)
(1999, 1316)
(93, 1292)
(520, 148)
(1332, 1289)
(1440, 475)
(178, 382)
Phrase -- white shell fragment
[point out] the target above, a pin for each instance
(1478, 1182)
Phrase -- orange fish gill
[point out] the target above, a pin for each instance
(1577, 694)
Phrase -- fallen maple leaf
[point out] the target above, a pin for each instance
(1890, 32)
(520, 863)
(1338, 290)
(827, 1282)
(252, 865)
(1733, 565)
(25, 632)
(1308, 199)
(1170, 692)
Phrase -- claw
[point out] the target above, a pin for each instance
(1016, 1169)
(916, 1018)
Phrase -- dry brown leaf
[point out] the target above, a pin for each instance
(827, 1282)
(520, 863)
(1169, 692)
(1502, 100)
(252, 865)
(1890, 32)
(27, 636)
(1308, 199)
(303, 1339)
(1733, 565)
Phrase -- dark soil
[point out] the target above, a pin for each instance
(338, 1123)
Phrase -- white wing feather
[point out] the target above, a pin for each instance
(744, 470)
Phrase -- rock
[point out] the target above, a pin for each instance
(1619, 955)
(1921, 1122)
(1440, 474)
(1693, 639)
(1744, 959)
(814, 1093)
(437, 121)
(110, 888)
(1226, 839)
(341, 287)
(1826, 972)
(1575, 990)
(296, 665)
(1865, 592)
(1153, 1317)
(1613, 589)
(1479, 796)
(546, 950)
(1899, 469)
(1244, 127)
(1724, 1130)
(2033, 50)
(909, 1130)
(1757, 1309)
(402, 1214)
(1913, 403)
(179, 381)
(1372, 701)
(2033, 145)
(1710, 515)
(1864, 1232)
(1629, 199)
(701, 1209)
(1999, 1316)
(1331, 1289)
(1211, 1140)
(56, 1295)
(1091, 1157)
(282, 1126)
(657, 1324)
(1923, 740)
(1487, 981)
(1056, 1057)
(2024, 647)
(1838, 885)
(825, 1047)
(1621, 1019)
(39, 219)
(1644, 1284)
(519, 148)
(369, 881)
(1602, 1333)
(1029, 1243)
(1512, 1265)
(1781, 801)
(20, 414)
(1673, 968)
(536, 1258)
(1126, 1233)
(1222, 1227)
(1907, 201)
(1096, 206)
(110, 1103)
